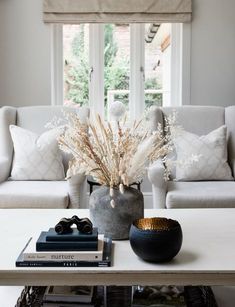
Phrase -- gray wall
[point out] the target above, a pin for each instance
(213, 53)
(25, 53)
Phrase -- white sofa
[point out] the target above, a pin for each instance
(35, 194)
(195, 194)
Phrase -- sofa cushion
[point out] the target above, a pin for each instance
(36, 119)
(36, 157)
(211, 150)
(204, 194)
(34, 194)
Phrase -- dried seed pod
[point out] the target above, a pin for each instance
(121, 188)
(111, 192)
(112, 203)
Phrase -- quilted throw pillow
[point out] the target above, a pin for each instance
(36, 157)
(211, 150)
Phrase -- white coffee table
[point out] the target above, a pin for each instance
(207, 256)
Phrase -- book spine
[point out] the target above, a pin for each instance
(107, 254)
(67, 246)
(63, 263)
(62, 238)
(62, 256)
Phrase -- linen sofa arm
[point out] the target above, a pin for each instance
(4, 168)
(159, 185)
(77, 191)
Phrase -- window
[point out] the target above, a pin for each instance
(116, 64)
(76, 64)
(138, 64)
(153, 65)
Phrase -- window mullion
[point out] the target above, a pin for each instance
(176, 65)
(96, 75)
(137, 71)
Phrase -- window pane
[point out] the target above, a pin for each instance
(153, 68)
(116, 64)
(76, 64)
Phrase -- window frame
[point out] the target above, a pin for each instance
(180, 67)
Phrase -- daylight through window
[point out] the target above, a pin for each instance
(129, 63)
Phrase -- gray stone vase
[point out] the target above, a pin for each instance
(115, 220)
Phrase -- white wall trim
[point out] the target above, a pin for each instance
(180, 64)
(137, 52)
(57, 66)
(186, 63)
(175, 76)
(96, 63)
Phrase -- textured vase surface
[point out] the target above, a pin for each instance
(115, 220)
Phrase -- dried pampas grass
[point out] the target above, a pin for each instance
(113, 157)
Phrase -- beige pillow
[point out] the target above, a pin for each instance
(36, 157)
(211, 150)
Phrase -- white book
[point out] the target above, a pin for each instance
(30, 253)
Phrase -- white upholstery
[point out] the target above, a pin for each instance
(154, 117)
(4, 168)
(211, 150)
(200, 120)
(36, 118)
(7, 118)
(34, 194)
(156, 177)
(77, 190)
(201, 194)
(36, 157)
(230, 123)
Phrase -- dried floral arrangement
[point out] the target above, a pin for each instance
(115, 157)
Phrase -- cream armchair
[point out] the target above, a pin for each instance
(35, 194)
(195, 194)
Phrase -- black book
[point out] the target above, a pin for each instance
(105, 262)
(75, 235)
(47, 246)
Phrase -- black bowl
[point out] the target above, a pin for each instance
(156, 239)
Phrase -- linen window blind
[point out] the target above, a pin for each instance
(117, 11)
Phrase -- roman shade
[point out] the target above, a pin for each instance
(117, 11)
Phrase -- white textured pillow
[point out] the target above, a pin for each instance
(212, 152)
(36, 157)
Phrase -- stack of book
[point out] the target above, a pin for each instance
(74, 249)
(68, 296)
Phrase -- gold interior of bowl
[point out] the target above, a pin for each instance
(155, 223)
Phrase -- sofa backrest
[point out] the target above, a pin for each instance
(7, 118)
(230, 123)
(203, 119)
(33, 119)
(198, 119)
(36, 118)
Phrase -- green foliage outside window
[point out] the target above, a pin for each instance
(116, 72)
(76, 74)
